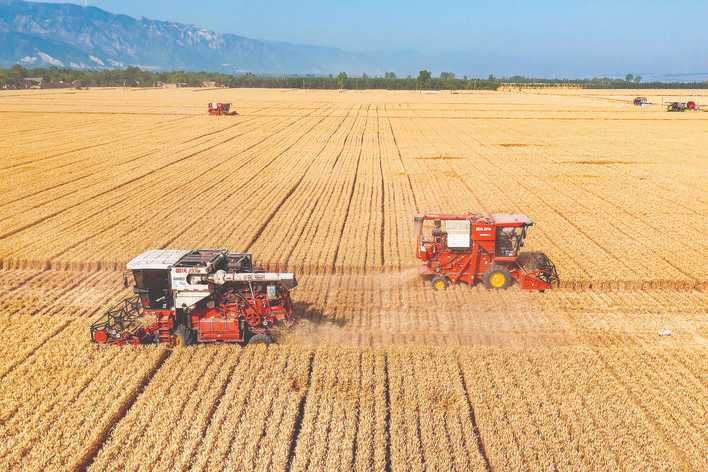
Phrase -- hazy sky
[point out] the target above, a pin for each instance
(551, 36)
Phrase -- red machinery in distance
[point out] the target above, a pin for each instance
(200, 296)
(474, 248)
(221, 109)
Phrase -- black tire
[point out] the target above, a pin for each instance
(493, 278)
(439, 282)
(261, 339)
(183, 336)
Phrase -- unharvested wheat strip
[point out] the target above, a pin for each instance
(337, 413)
(360, 245)
(312, 197)
(313, 441)
(670, 409)
(151, 166)
(179, 425)
(276, 391)
(629, 436)
(371, 438)
(252, 192)
(267, 399)
(75, 405)
(304, 195)
(547, 414)
(219, 435)
(398, 202)
(145, 412)
(430, 432)
(156, 189)
(502, 443)
(279, 434)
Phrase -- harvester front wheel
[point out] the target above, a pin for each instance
(183, 336)
(497, 278)
(440, 282)
(261, 339)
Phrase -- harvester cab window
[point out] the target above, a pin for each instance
(510, 240)
(153, 286)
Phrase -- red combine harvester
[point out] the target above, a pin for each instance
(474, 248)
(201, 296)
(221, 109)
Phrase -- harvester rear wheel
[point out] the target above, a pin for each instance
(497, 278)
(440, 282)
(260, 339)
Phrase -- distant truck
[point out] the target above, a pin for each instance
(641, 101)
(682, 106)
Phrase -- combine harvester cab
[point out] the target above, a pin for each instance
(201, 296)
(473, 248)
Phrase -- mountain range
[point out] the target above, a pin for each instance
(35, 34)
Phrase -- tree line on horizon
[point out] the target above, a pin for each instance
(14, 76)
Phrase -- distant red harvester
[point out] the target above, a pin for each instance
(474, 248)
(221, 109)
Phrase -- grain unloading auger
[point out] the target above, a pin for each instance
(200, 296)
(474, 248)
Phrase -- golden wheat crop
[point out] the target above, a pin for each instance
(381, 373)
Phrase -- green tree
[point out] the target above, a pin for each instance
(390, 76)
(424, 77)
(342, 79)
(447, 76)
(637, 79)
(629, 78)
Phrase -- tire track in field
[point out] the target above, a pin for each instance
(294, 188)
(300, 416)
(387, 417)
(473, 417)
(382, 208)
(117, 187)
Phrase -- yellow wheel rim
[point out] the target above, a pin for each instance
(439, 284)
(497, 280)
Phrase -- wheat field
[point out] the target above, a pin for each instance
(381, 373)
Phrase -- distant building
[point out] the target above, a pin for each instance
(33, 82)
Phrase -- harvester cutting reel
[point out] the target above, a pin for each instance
(121, 325)
(541, 265)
